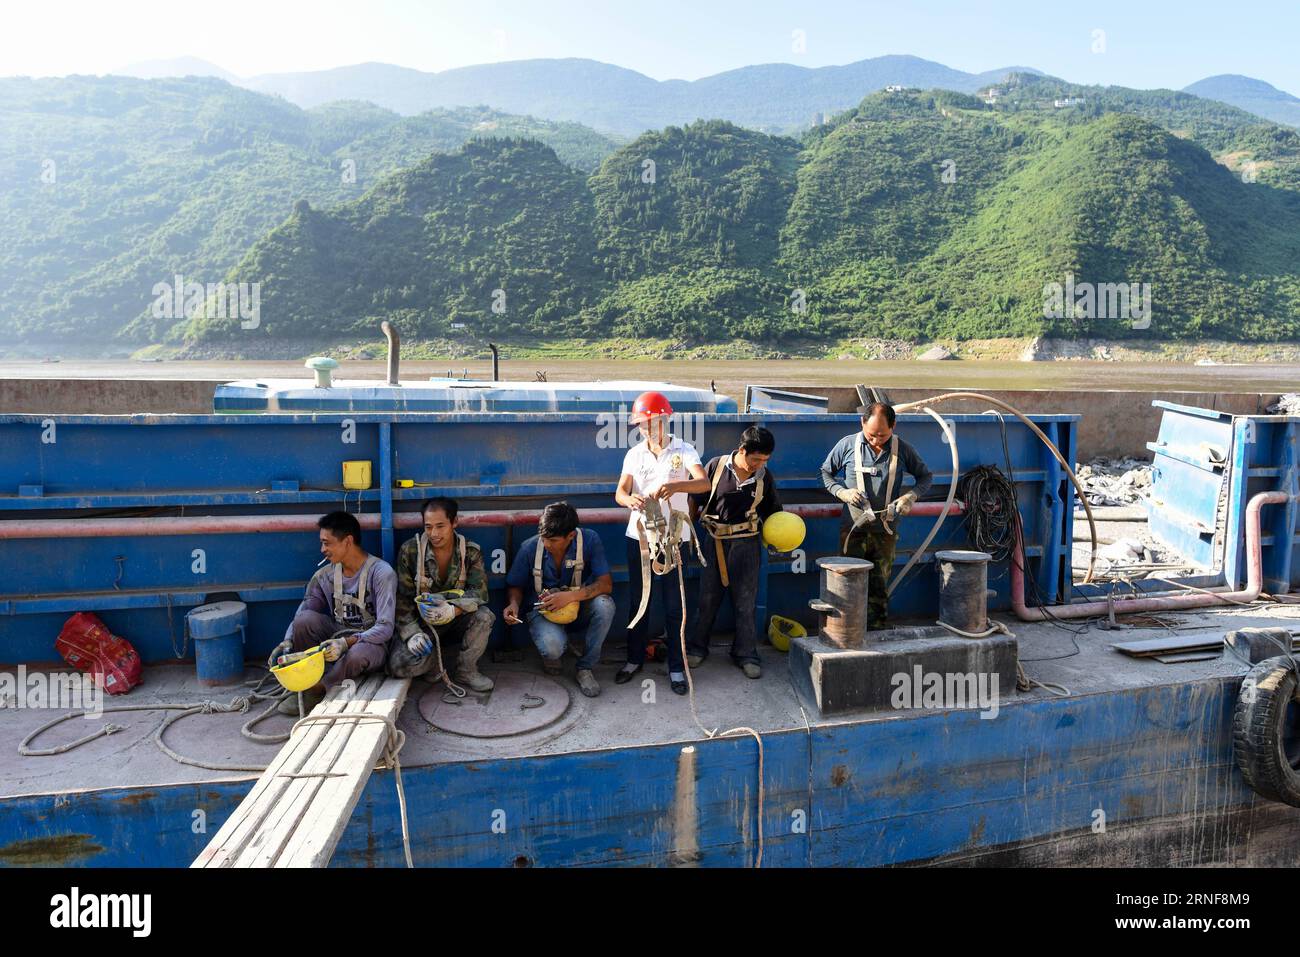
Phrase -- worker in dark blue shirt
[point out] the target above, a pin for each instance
(563, 573)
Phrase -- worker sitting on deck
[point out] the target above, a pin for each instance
(442, 564)
(735, 496)
(869, 462)
(347, 610)
(568, 584)
(659, 458)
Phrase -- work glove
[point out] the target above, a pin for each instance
(469, 604)
(283, 648)
(334, 648)
(851, 496)
(904, 503)
(435, 610)
(419, 645)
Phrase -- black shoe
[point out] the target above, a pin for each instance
(624, 674)
(679, 687)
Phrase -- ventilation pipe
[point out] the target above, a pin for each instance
(394, 351)
(496, 362)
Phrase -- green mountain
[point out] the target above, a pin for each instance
(110, 186)
(913, 215)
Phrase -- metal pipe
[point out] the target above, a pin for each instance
(394, 351)
(253, 524)
(1164, 601)
(496, 362)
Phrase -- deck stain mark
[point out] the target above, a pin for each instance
(839, 775)
(57, 851)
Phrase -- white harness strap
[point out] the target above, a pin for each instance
(342, 601)
(419, 563)
(577, 565)
(859, 452)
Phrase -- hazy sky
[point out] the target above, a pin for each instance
(1147, 43)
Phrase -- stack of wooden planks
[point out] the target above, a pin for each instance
(297, 810)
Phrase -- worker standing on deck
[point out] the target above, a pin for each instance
(735, 496)
(656, 460)
(347, 610)
(869, 463)
(443, 565)
(563, 572)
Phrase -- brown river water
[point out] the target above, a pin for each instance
(730, 376)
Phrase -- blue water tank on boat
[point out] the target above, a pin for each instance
(218, 630)
(456, 395)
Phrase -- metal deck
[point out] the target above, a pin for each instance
(617, 719)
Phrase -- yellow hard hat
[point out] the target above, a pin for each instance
(563, 616)
(781, 630)
(304, 673)
(784, 531)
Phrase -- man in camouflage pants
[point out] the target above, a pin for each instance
(863, 471)
(450, 562)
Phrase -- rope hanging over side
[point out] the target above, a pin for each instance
(729, 733)
(392, 749)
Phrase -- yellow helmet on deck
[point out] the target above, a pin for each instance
(784, 531)
(302, 674)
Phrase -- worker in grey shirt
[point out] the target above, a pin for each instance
(348, 610)
(863, 471)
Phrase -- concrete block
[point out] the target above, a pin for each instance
(912, 673)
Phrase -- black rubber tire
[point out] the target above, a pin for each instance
(1258, 732)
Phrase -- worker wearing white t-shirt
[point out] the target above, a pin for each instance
(659, 458)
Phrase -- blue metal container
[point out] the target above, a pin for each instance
(218, 630)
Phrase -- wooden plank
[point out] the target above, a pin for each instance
(314, 840)
(232, 835)
(267, 819)
(263, 845)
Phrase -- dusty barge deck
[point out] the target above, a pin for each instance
(1147, 745)
(169, 512)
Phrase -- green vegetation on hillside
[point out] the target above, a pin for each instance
(917, 215)
(109, 186)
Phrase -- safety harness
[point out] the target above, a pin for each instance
(577, 566)
(349, 609)
(745, 529)
(859, 470)
(660, 538)
(420, 578)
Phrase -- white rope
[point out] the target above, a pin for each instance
(1023, 681)
(392, 750)
(240, 704)
(947, 505)
(729, 733)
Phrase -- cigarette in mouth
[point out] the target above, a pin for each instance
(321, 562)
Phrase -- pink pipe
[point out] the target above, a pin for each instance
(1163, 601)
(252, 524)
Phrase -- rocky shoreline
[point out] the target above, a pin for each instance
(1023, 349)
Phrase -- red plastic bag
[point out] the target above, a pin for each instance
(87, 644)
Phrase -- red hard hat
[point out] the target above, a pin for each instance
(648, 405)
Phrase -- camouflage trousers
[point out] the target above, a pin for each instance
(877, 546)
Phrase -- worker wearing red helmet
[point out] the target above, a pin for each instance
(659, 458)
